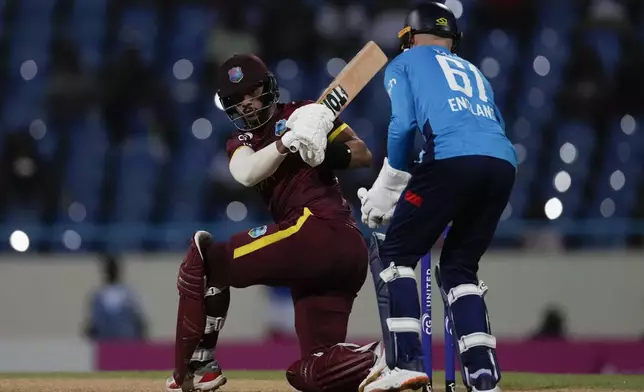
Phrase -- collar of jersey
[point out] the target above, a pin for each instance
(437, 47)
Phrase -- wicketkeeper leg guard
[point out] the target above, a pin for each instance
(191, 317)
(399, 309)
(472, 333)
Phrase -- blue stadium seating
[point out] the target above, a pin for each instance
(85, 171)
(526, 138)
(29, 59)
(139, 28)
(502, 47)
(3, 3)
(87, 29)
(139, 165)
(606, 43)
(570, 157)
(615, 190)
(142, 168)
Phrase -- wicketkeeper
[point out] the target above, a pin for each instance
(464, 175)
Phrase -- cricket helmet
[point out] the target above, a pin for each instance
(430, 18)
(239, 76)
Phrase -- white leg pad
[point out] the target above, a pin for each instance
(476, 339)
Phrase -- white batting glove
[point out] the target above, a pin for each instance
(379, 202)
(291, 141)
(314, 114)
(310, 152)
(312, 156)
(311, 123)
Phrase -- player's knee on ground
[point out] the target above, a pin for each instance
(321, 320)
(338, 369)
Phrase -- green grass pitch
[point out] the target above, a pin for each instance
(511, 381)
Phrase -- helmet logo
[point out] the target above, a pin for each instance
(442, 21)
(235, 74)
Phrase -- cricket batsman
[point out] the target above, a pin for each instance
(314, 247)
(464, 175)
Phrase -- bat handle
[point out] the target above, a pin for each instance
(295, 147)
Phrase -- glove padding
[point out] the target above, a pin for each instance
(309, 126)
(379, 202)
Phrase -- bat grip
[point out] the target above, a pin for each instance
(295, 147)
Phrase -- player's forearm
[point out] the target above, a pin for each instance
(349, 154)
(360, 154)
(250, 167)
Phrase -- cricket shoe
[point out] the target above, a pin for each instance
(206, 379)
(396, 380)
(485, 383)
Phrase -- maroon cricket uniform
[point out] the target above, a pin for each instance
(295, 184)
(314, 246)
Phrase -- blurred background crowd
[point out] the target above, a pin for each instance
(110, 139)
(111, 142)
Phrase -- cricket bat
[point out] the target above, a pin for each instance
(352, 79)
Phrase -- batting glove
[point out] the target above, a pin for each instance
(312, 123)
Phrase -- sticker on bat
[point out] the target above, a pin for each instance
(336, 99)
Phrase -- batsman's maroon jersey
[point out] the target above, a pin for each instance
(295, 184)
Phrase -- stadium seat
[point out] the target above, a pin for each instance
(570, 159)
(527, 140)
(498, 54)
(559, 15)
(3, 4)
(29, 59)
(139, 28)
(82, 183)
(138, 169)
(87, 29)
(83, 179)
(615, 191)
(607, 44)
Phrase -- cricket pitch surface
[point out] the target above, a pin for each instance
(253, 381)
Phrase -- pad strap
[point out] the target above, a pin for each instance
(214, 324)
(403, 324)
(476, 339)
(466, 289)
(394, 272)
(210, 291)
(201, 355)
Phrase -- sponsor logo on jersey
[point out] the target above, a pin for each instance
(235, 74)
(280, 127)
(257, 231)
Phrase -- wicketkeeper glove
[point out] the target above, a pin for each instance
(379, 202)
